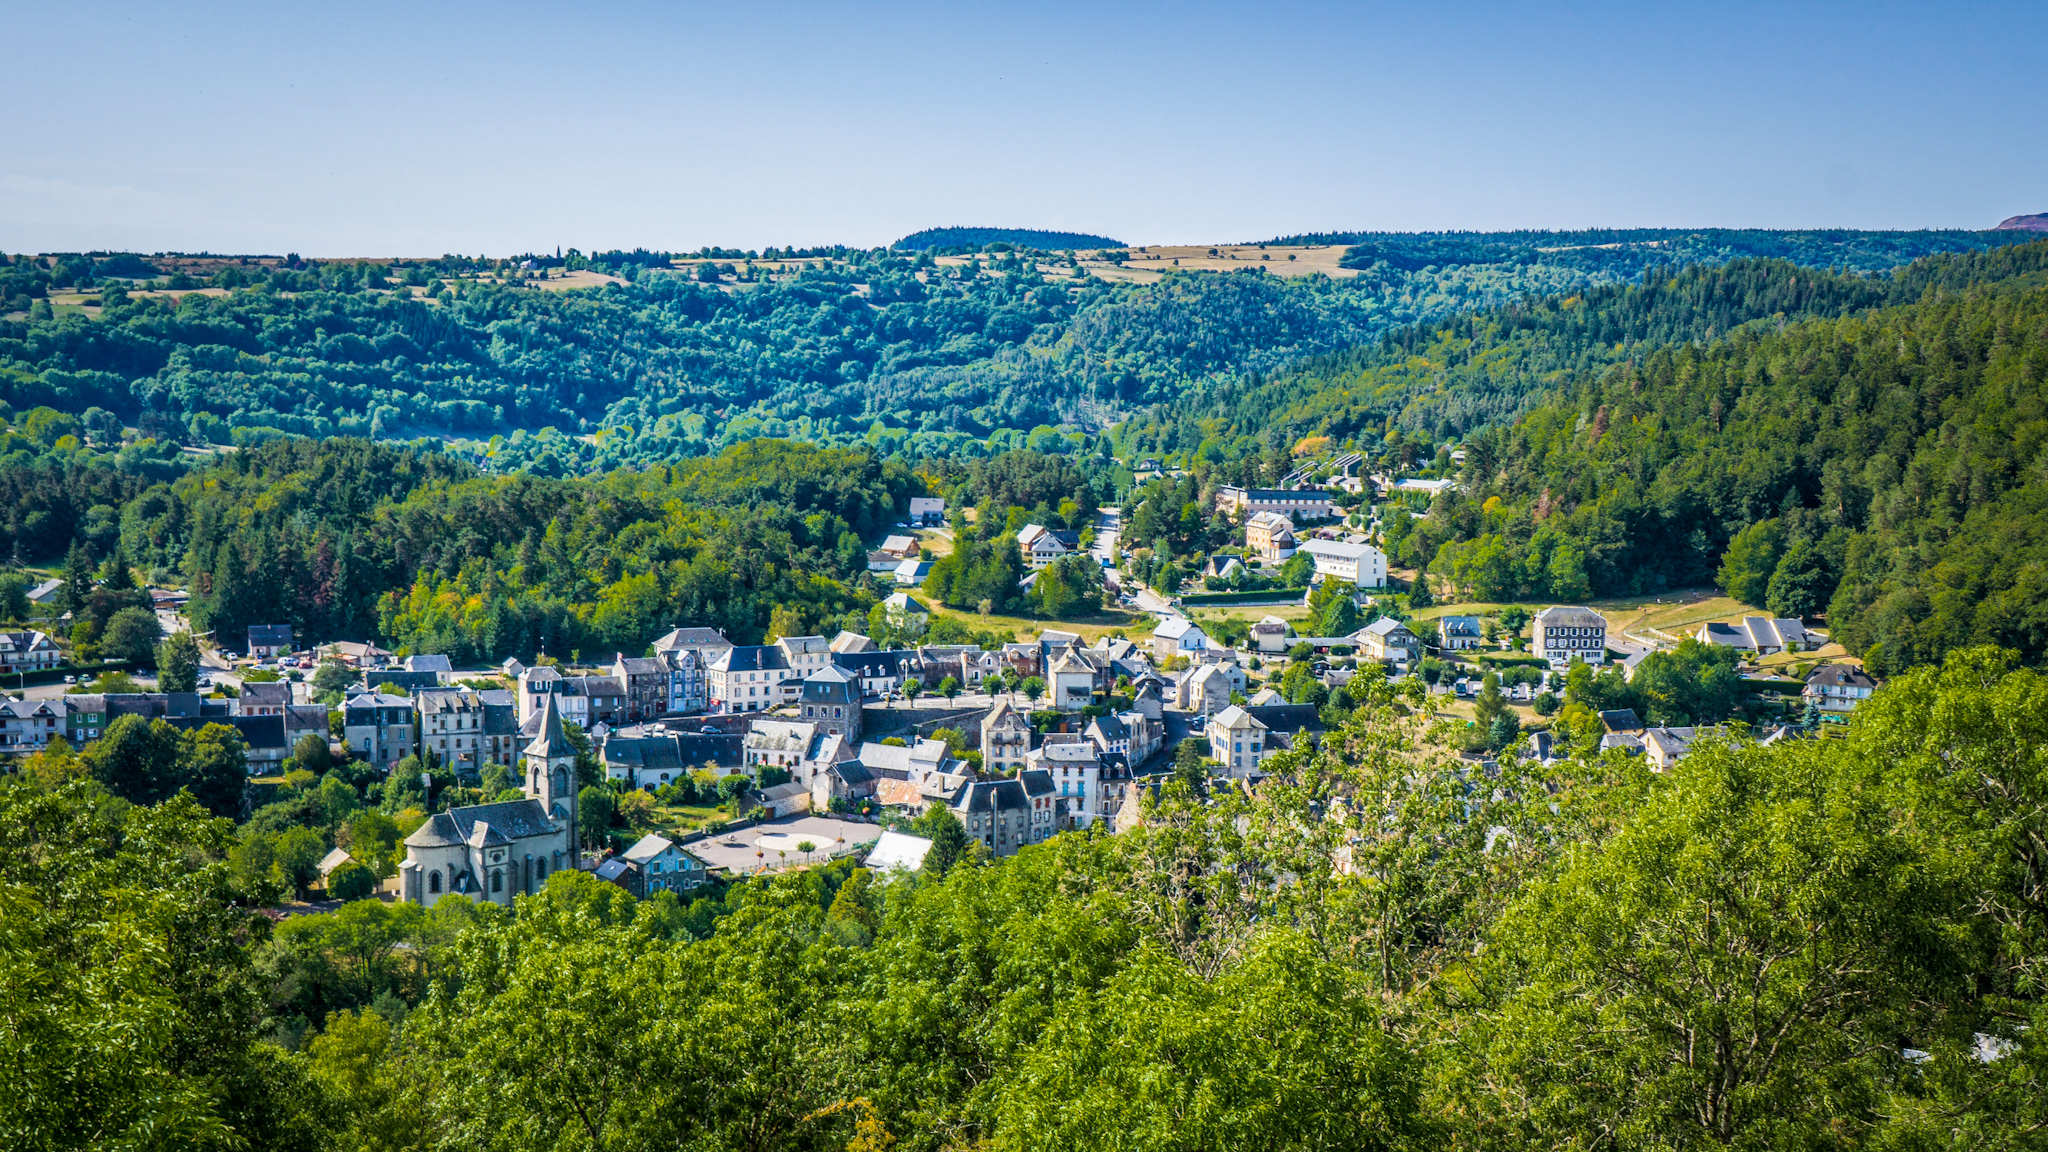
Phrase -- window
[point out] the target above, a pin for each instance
(434, 882)
(498, 881)
(540, 869)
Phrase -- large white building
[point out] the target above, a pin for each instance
(1041, 545)
(1359, 564)
(1564, 633)
(497, 851)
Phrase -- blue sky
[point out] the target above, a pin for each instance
(405, 128)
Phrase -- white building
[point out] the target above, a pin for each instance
(1041, 545)
(1071, 763)
(27, 652)
(1238, 740)
(1359, 564)
(1564, 633)
(926, 511)
(1178, 636)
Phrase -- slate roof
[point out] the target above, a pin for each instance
(270, 635)
(691, 638)
(1842, 676)
(266, 692)
(750, 658)
(513, 819)
(830, 685)
(648, 847)
(1286, 717)
(551, 741)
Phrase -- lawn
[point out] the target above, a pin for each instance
(1134, 625)
(685, 817)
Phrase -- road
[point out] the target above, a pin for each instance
(1108, 527)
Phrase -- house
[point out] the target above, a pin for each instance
(30, 725)
(1070, 681)
(1838, 687)
(1205, 689)
(1073, 764)
(1563, 633)
(830, 698)
(1359, 564)
(589, 700)
(847, 781)
(1623, 721)
(879, 671)
(334, 859)
(784, 799)
(268, 640)
(648, 686)
(689, 653)
(910, 573)
(1758, 634)
(45, 592)
(1270, 635)
(1458, 633)
(1295, 503)
(663, 865)
(747, 678)
(1236, 739)
(439, 665)
(1222, 567)
(897, 852)
(378, 728)
(260, 698)
(263, 743)
(360, 655)
(900, 547)
(27, 652)
(1109, 734)
(1005, 739)
(1388, 640)
(1269, 536)
(497, 851)
(648, 760)
(804, 655)
(900, 609)
(1667, 746)
(302, 719)
(452, 724)
(1178, 636)
(1006, 815)
(927, 511)
(1041, 545)
(847, 641)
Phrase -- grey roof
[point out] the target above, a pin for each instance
(886, 662)
(428, 662)
(615, 869)
(1110, 728)
(270, 635)
(754, 658)
(648, 847)
(692, 638)
(641, 666)
(551, 741)
(1459, 626)
(512, 818)
(725, 749)
(991, 796)
(783, 792)
(1621, 720)
(1841, 675)
(266, 692)
(1286, 717)
(830, 685)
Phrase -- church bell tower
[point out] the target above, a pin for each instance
(551, 770)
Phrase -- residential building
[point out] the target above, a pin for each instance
(28, 652)
(1070, 681)
(268, 640)
(1359, 564)
(1667, 746)
(1237, 740)
(1838, 687)
(1458, 633)
(911, 573)
(927, 511)
(900, 547)
(1005, 739)
(30, 725)
(1759, 634)
(747, 678)
(1563, 633)
(439, 665)
(664, 865)
(452, 725)
(650, 759)
(1205, 689)
(497, 851)
(647, 684)
(1622, 721)
(1221, 567)
(590, 700)
(902, 610)
(259, 698)
(1041, 545)
(1269, 536)
(802, 748)
(1297, 504)
(1109, 734)
(378, 728)
(1006, 815)
(1387, 639)
(1072, 763)
(689, 652)
(784, 799)
(356, 654)
(830, 698)
(1269, 635)
(1178, 636)
(879, 672)
(45, 592)
(805, 655)
(85, 718)
(896, 852)
(854, 641)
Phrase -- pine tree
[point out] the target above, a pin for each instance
(77, 579)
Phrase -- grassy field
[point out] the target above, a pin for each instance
(1148, 264)
(1136, 626)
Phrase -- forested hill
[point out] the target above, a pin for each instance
(1630, 251)
(976, 239)
(1888, 467)
(1443, 380)
(683, 356)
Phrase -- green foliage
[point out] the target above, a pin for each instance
(147, 761)
(351, 881)
(177, 663)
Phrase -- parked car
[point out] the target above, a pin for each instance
(71, 679)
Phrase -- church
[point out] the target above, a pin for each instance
(497, 851)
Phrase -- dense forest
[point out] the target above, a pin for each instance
(689, 352)
(1888, 468)
(1820, 944)
(1632, 251)
(977, 239)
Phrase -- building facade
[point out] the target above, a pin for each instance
(1565, 633)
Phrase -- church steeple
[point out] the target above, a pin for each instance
(551, 765)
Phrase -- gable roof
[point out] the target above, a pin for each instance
(511, 819)
(648, 847)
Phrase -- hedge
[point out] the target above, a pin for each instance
(1274, 596)
(56, 675)
(1513, 659)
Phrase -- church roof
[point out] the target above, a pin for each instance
(551, 742)
(510, 820)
